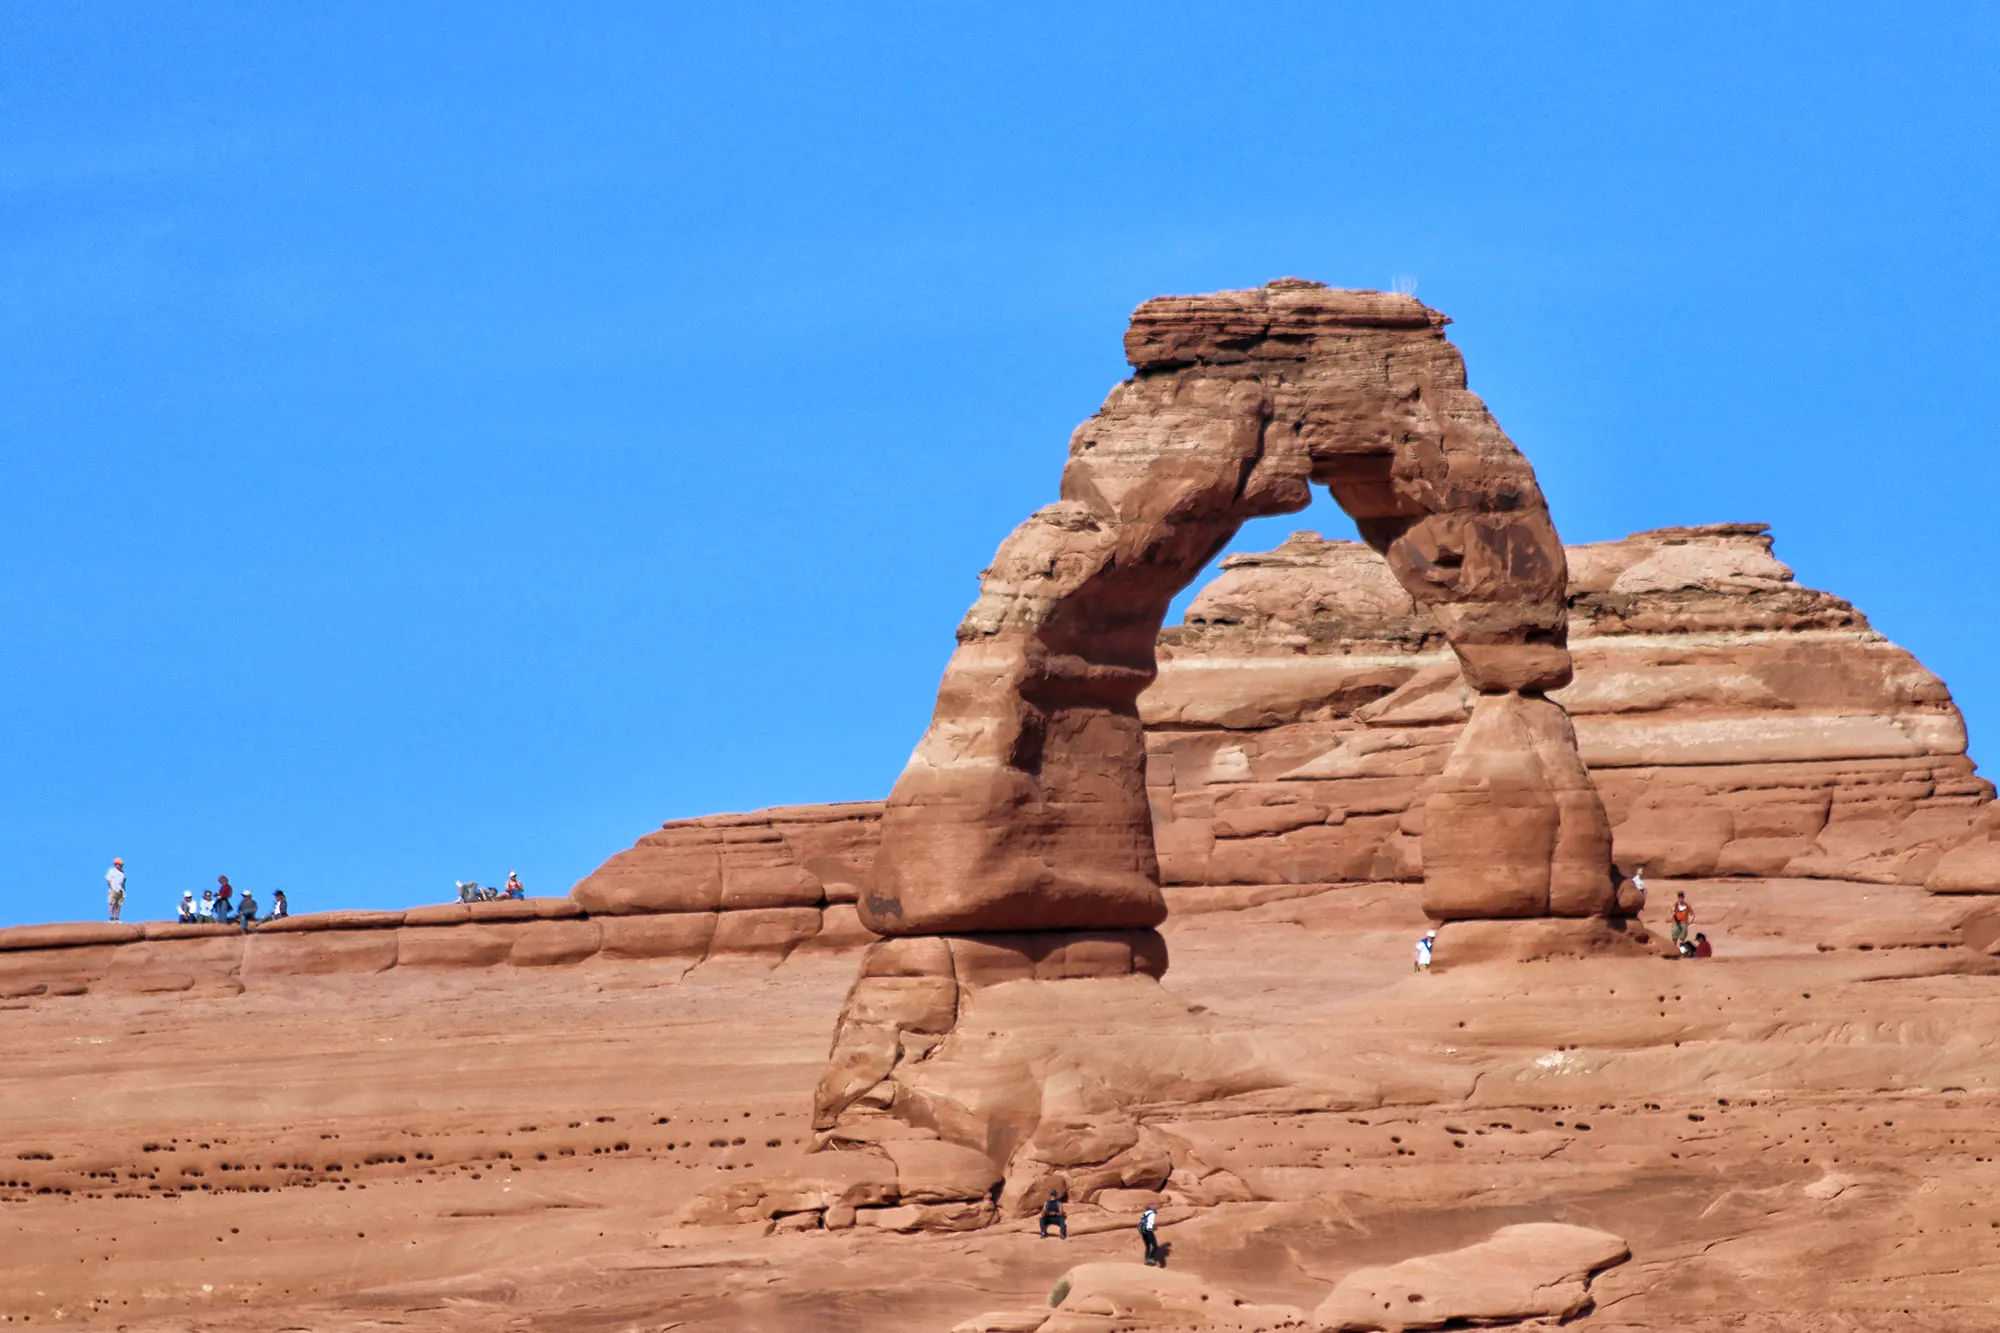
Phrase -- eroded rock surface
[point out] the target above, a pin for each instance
(1790, 1138)
(1119, 1297)
(1733, 721)
(1534, 1270)
(803, 866)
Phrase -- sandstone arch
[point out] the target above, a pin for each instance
(1024, 808)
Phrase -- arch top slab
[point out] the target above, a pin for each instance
(1024, 805)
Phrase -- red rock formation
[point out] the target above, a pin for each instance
(1534, 1270)
(1024, 808)
(792, 872)
(150, 957)
(1735, 722)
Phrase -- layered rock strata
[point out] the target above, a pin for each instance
(165, 957)
(1735, 722)
(788, 871)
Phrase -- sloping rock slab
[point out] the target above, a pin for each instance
(1117, 1297)
(1538, 1270)
(68, 935)
(348, 920)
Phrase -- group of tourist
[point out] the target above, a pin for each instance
(470, 892)
(1682, 921)
(219, 905)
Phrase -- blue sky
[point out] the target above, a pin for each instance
(439, 440)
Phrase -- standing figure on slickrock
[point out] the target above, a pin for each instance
(1018, 842)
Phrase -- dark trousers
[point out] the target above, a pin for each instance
(1059, 1223)
(1152, 1247)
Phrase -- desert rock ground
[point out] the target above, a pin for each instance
(1795, 1134)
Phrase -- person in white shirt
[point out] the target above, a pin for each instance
(1424, 948)
(1147, 1221)
(114, 886)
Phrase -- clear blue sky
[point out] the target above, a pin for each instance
(436, 440)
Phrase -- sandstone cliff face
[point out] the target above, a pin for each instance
(794, 871)
(1735, 722)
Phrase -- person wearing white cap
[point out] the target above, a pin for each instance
(188, 913)
(1424, 947)
(114, 886)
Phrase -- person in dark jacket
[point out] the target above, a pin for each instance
(1147, 1221)
(1054, 1216)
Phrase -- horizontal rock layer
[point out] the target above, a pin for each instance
(76, 958)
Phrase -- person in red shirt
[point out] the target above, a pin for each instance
(1702, 948)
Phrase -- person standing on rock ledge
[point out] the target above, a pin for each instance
(1683, 915)
(1147, 1221)
(114, 886)
(1425, 946)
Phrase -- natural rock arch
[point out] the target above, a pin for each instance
(1024, 806)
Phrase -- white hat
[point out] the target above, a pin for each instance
(1430, 934)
